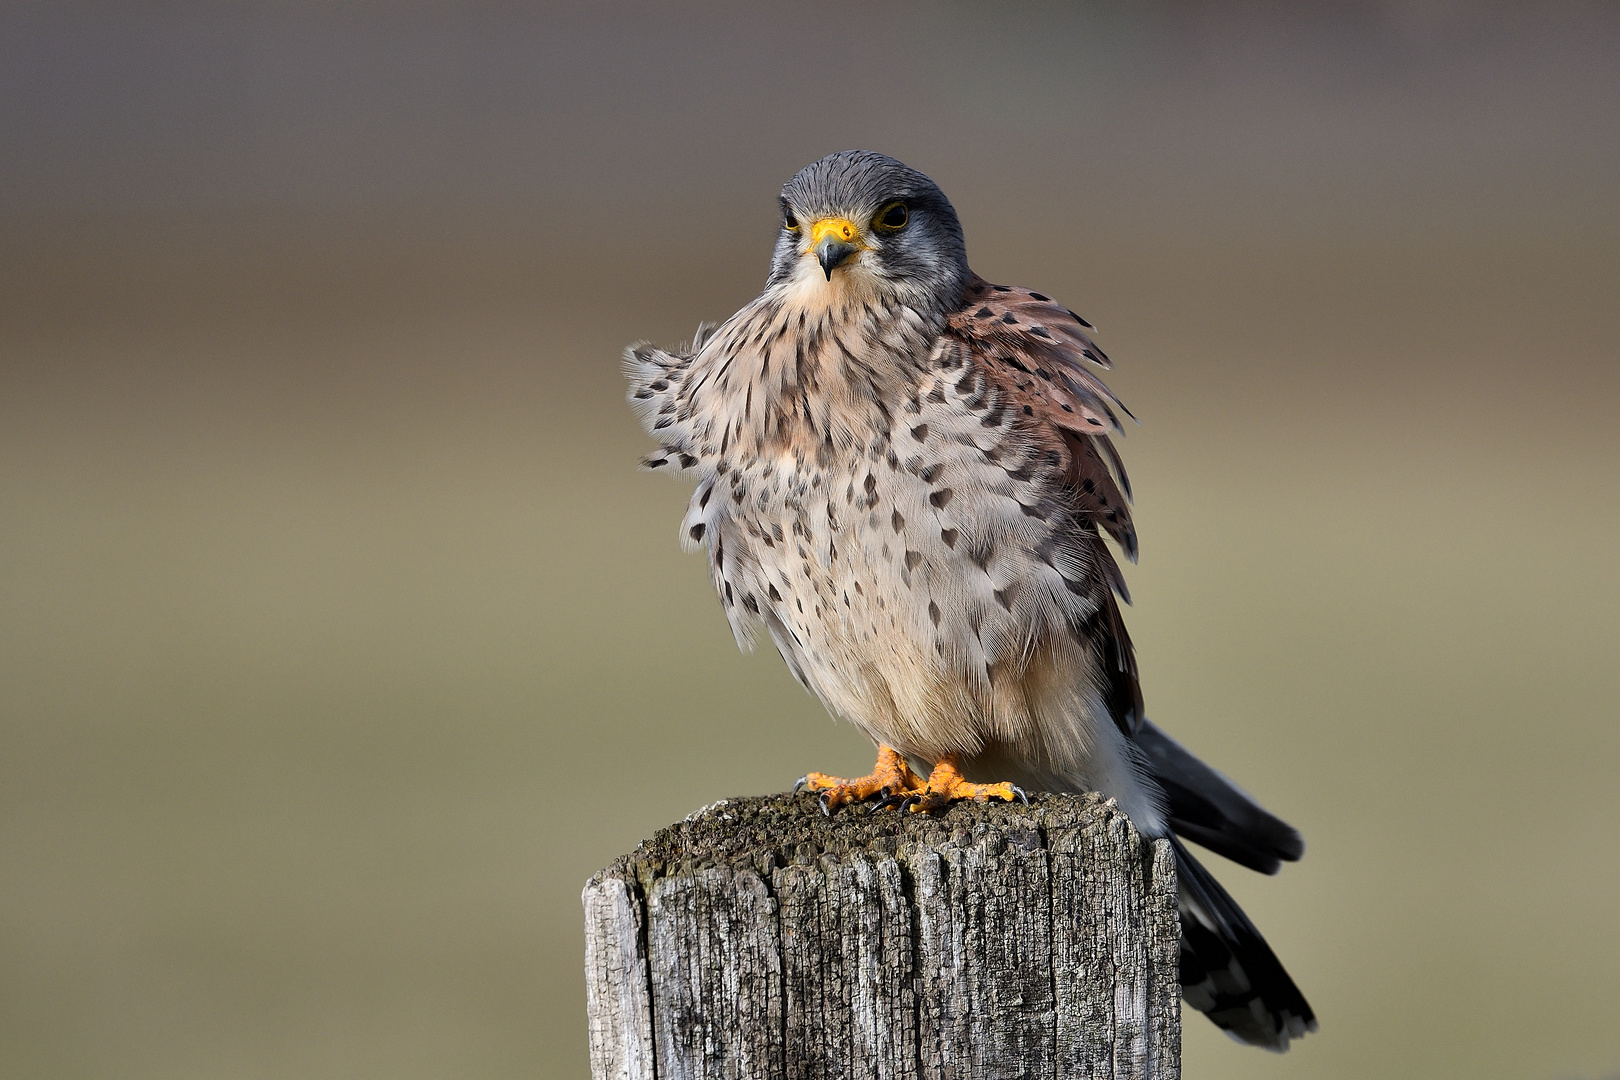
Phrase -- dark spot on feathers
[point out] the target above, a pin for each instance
(1081, 321)
(983, 313)
(870, 484)
(1010, 319)
(704, 502)
(696, 532)
(1088, 485)
(933, 612)
(941, 497)
(1004, 598)
(912, 559)
(1067, 408)
(775, 595)
(800, 603)
(1001, 288)
(920, 432)
(661, 384)
(937, 395)
(964, 385)
(728, 594)
(751, 604)
(1032, 511)
(1043, 373)
(1039, 331)
(928, 475)
(1028, 411)
(1021, 473)
(949, 536)
(897, 521)
(1042, 299)
(1093, 421)
(687, 461)
(657, 463)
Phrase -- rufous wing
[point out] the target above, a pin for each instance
(1038, 351)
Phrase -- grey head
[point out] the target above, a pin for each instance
(864, 219)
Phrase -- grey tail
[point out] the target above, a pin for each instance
(1208, 809)
(1228, 972)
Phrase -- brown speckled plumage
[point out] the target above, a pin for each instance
(905, 478)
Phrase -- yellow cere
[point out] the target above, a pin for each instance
(836, 227)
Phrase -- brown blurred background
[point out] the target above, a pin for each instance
(340, 639)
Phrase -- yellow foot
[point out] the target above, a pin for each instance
(891, 776)
(946, 785)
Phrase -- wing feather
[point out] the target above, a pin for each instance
(1036, 353)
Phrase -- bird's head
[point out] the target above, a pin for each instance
(862, 223)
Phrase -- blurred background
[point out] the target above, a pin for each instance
(340, 639)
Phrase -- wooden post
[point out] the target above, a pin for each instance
(759, 939)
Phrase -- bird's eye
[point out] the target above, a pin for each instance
(893, 216)
(789, 222)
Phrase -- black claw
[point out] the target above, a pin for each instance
(1018, 791)
(826, 810)
(888, 799)
(800, 784)
(909, 801)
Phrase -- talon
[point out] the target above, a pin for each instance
(891, 798)
(801, 783)
(891, 773)
(946, 785)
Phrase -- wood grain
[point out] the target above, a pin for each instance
(760, 939)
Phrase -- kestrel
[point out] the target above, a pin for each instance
(904, 476)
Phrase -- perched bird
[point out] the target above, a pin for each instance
(904, 476)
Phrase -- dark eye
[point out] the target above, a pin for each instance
(789, 222)
(893, 216)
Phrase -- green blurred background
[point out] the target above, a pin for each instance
(340, 639)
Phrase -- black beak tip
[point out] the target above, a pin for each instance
(832, 254)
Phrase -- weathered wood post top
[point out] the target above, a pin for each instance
(758, 938)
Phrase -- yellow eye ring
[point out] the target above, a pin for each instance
(892, 217)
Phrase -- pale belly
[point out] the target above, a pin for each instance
(913, 590)
(934, 643)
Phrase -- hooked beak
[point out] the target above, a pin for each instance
(834, 240)
(829, 253)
